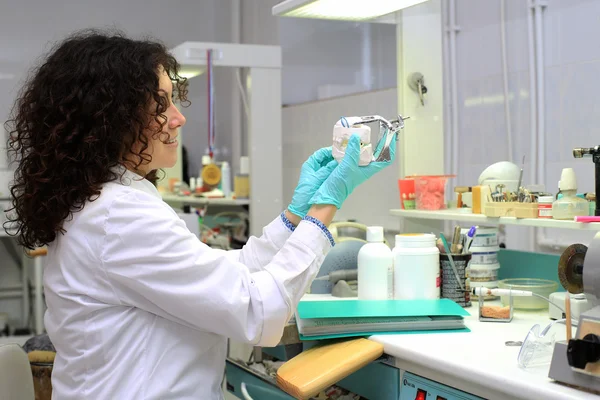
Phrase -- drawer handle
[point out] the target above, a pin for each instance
(245, 392)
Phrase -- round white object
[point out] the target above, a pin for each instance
(417, 240)
(500, 171)
(416, 267)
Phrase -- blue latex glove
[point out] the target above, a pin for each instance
(348, 175)
(312, 175)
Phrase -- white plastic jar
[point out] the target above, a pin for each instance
(484, 255)
(483, 272)
(416, 267)
(484, 236)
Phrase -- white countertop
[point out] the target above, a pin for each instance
(20, 340)
(479, 362)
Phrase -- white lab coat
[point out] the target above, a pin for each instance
(139, 308)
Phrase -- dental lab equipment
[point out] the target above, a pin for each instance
(449, 254)
(483, 291)
(493, 313)
(343, 130)
(455, 240)
(595, 153)
(470, 237)
(347, 126)
(576, 362)
(538, 346)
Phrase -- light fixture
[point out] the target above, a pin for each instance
(191, 71)
(348, 10)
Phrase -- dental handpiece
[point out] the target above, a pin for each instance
(483, 291)
(339, 275)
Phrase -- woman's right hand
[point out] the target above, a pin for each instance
(348, 174)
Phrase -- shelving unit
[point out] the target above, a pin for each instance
(452, 215)
(201, 201)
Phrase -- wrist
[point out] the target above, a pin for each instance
(323, 212)
(293, 218)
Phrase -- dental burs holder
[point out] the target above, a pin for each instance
(391, 129)
(481, 300)
(580, 152)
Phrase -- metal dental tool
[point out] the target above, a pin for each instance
(390, 129)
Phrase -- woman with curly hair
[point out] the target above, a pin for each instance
(138, 307)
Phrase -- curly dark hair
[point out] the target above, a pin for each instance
(76, 119)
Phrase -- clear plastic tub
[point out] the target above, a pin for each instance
(430, 192)
(483, 272)
(542, 287)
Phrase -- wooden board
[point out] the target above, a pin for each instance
(511, 209)
(320, 367)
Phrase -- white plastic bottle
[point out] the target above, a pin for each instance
(226, 179)
(375, 267)
(416, 267)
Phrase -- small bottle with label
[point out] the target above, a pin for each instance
(545, 207)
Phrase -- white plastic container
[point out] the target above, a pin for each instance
(375, 267)
(484, 237)
(483, 272)
(416, 267)
(484, 255)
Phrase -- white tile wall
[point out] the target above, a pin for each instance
(572, 87)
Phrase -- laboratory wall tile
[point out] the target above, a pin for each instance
(516, 30)
(553, 33)
(470, 133)
(518, 84)
(579, 29)
(493, 114)
(580, 106)
(554, 100)
(475, 14)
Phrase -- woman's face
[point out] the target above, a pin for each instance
(163, 147)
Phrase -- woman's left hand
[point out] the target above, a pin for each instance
(314, 172)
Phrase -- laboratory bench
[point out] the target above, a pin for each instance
(447, 366)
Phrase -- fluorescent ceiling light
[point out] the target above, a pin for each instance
(191, 71)
(348, 10)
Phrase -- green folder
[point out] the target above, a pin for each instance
(345, 318)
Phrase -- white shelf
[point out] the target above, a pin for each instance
(451, 215)
(200, 201)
